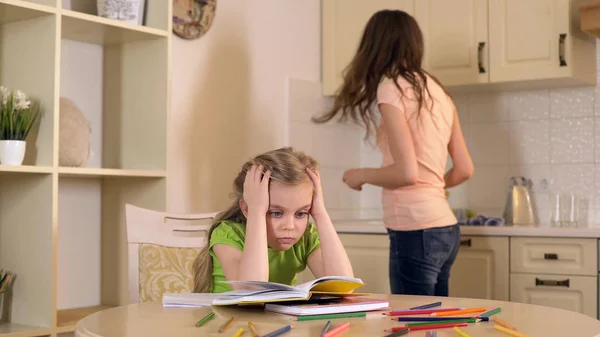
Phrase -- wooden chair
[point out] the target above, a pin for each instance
(161, 251)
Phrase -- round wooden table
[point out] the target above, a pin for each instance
(150, 319)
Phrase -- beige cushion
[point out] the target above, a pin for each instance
(74, 135)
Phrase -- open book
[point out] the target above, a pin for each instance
(264, 292)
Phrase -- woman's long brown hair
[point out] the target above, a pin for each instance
(391, 46)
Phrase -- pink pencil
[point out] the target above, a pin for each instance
(338, 330)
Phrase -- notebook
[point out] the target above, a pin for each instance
(266, 292)
(328, 305)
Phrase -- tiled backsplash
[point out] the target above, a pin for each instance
(549, 136)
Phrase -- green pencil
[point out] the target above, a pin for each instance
(331, 316)
(490, 313)
(460, 320)
(205, 319)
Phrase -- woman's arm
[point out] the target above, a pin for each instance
(462, 165)
(330, 259)
(403, 172)
(251, 264)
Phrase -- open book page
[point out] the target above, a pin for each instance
(332, 284)
(263, 285)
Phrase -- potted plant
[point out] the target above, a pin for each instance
(17, 116)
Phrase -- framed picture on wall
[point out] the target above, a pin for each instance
(193, 18)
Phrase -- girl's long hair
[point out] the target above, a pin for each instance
(391, 46)
(287, 166)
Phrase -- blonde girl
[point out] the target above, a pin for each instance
(265, 235)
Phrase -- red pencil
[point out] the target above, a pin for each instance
(428, 326)
(417, 312)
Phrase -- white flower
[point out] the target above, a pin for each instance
(4, 93)
(20, 100)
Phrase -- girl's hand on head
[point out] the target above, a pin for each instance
(354, 178)
(318, 203)
(256, 190)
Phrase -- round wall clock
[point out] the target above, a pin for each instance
(193, 18)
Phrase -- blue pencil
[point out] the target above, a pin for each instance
(326, 328)
(278, 331)
(427, 306)
(435, 318)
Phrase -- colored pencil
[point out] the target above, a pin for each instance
(436, 326)
(427, 306)
(431, 334)
(461, 332)
(225, 325)
(437, 319)
(509, 331)
(330, 316)
(458, 312)
(418, 311)
(326, 328)
(398, 332)
(503, 323)
(279, 331)
(490, 312)
(253, 330)
(205, 319)
(338, 330)
(238, 333)
(467, 320)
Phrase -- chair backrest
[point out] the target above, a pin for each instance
(161, 251)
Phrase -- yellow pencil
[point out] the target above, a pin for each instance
(224, 326)
(503, 323)
(238, 333)
(509, 331)
(461, 332)
(252, 329)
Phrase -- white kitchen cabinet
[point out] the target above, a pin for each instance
(573, 293)
(342, 26)
(474, 43)
(456, 40)
(369, 256)
(481, 268)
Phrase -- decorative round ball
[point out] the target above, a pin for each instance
(74, 135)
(193, 18)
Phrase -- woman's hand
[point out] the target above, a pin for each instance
(256, 190)
(318, 203)
(354, 178)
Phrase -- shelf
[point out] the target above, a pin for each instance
(19, 330)
(18, 10)
(98, 30)
(590, 17)
(68, 318)
(25, 169)
(85, 172)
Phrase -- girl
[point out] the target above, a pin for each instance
(418, 128)
(265, 235)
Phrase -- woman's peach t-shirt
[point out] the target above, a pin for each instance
(423, 205)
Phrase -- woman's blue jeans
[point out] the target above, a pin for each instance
(420, 260)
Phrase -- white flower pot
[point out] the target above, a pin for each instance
(12, 152)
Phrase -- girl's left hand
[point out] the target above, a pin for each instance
(318, 204)
(354, 178)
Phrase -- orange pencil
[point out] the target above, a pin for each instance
(503, 323)
(338, 330)
(458, 312)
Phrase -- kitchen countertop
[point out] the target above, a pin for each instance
(377, 227)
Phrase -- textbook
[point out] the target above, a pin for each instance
(265, 292)
(328, 305)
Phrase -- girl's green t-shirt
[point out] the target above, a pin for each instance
(283, 265)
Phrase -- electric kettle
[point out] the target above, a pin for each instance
(520, 207)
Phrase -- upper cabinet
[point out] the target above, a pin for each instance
(475, 43)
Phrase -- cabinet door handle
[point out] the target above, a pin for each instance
(552, 283)
(561, 49)
(466, 242)
(480, 47)
(550, 256)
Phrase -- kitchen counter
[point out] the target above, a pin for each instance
(376, 227)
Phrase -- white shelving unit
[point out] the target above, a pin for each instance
(62, 229)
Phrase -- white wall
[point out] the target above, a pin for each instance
(228, 94)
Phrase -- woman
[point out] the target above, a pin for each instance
(416, 127)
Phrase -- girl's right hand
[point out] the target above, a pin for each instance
(256, 190)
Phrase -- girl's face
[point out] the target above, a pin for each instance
(287, 218)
